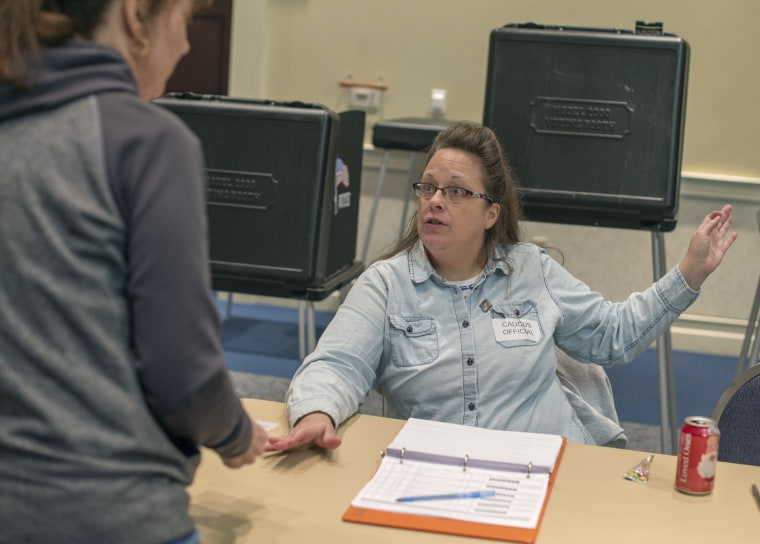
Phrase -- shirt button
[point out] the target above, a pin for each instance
(471, 406)
(409, 328)
(470, 362)
(465, 323)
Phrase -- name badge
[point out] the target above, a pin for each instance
(510, 329)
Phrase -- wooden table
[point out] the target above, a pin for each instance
(300, 497)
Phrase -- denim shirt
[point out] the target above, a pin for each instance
(488, 360)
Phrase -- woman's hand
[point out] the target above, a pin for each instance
(255, 448)
(315, 429)
(707, 247)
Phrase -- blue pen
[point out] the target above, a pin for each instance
(448, 496)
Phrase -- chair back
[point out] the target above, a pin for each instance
(737, 414)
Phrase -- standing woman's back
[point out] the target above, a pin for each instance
(111, 373)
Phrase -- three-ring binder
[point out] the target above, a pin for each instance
(430, 458)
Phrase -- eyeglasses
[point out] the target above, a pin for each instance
(451, 193)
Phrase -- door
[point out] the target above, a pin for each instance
(205, 69)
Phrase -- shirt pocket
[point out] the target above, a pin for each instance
(517, 324)
(413, 339)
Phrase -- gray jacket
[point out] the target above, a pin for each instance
(110, 360)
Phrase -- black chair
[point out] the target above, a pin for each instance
(738, 416)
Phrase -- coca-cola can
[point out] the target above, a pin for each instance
(697, 456)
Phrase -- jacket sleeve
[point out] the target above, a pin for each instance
(156, 168)
(593, 329)
(337, 376)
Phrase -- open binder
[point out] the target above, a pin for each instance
(502, 480)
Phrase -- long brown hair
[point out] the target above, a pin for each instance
(499, 184)
(26, 26)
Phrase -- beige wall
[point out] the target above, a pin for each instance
(301, 49)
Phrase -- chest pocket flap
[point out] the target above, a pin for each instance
(413, 339)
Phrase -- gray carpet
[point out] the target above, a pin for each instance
(640, 437)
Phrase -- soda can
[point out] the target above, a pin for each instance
(697, 456)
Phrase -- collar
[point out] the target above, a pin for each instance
(421, 270)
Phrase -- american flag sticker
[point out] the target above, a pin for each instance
(341, 173)
(342, 179)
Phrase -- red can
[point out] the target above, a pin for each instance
(697, 456)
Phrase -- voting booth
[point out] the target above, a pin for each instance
(284, 182)
(591, 120)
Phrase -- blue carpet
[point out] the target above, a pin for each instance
(699, 379)
(263, 339)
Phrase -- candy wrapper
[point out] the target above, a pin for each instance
(640, 473)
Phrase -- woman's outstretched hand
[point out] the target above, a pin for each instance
(315, 429)
(707, 247)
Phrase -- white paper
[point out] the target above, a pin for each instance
(517, 502)
(267, 425)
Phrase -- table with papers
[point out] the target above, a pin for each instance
(302, 496)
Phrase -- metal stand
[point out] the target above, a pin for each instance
(378, 190)
(668, 426)
(307, 335)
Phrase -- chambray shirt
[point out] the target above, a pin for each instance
(488, 360)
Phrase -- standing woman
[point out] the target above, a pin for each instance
(111, 372)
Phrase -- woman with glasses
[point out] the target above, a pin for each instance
(460, 322)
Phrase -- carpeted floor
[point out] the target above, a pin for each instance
(261, 351)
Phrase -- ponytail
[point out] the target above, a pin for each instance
(24, 29)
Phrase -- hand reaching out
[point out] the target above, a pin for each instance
(255, 448)
(707, 247)
(315, 429)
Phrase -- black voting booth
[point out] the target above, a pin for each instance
(284, 182)
(592, 122)
(283, 192)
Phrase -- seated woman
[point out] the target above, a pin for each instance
(460, 322)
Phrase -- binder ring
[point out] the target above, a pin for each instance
(464, 464)
(401, 456)
(530, 468)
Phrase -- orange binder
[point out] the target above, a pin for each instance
(431, 522)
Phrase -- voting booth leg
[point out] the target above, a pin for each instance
(408, 193)
(307, 334)
(668, 427)
(228, 308)
(378, 189)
